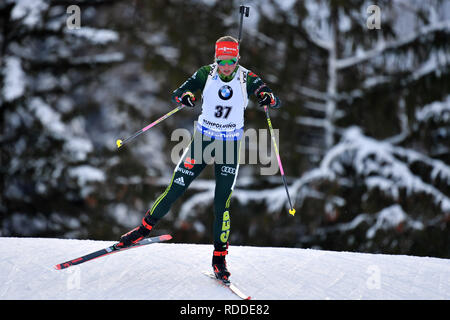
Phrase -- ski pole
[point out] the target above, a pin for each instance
(243, 10)
(266, 109)
(121, 142)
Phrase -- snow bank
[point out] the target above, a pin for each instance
(169, 271)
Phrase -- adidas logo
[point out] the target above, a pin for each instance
(180, 181)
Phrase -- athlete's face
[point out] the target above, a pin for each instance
(226, 67)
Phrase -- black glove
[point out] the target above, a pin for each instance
(188, 99)
(266, 99)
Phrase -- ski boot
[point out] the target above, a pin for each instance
(220, 266)
(135, 235)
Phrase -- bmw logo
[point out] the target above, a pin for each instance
(225, 92)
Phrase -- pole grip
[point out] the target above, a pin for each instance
(243, 10)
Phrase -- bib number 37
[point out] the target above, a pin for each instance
(222, 112)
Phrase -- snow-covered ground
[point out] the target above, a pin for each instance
(172, 271)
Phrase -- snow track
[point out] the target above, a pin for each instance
(168, 271)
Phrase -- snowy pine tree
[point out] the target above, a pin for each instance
(48, 161)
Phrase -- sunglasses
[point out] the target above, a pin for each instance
(229, 62)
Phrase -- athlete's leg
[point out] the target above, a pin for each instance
(225, 174)
(188, 168)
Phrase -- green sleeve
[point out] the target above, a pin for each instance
(255, 86)
(195, 83)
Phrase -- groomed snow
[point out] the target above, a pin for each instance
(171, 271)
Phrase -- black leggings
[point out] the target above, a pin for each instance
(202, 151)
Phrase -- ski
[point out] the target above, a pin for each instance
(109, 250)
(228, 285)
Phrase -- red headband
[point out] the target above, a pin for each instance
(228, 48)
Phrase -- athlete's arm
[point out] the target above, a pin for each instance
(260, 90)
(193, 84)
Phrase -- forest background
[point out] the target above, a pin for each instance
(364, 128)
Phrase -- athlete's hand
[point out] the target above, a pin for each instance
(188, 99)
(266, 99)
